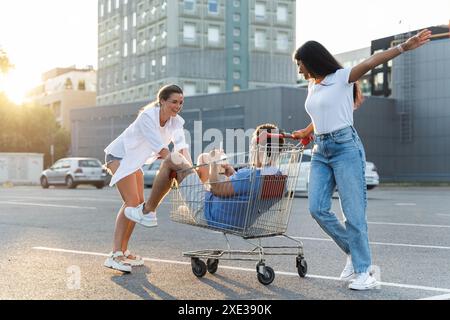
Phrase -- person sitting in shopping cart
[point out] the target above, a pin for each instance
(235, 203)
(213, 192)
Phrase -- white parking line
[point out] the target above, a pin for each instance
(405, 204)
(380, 243)
(410, 224)
(45, 205)
(53, 198)
(443, 214)
(388, 284)
(440, 297)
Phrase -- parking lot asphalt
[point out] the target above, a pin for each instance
(54, 242)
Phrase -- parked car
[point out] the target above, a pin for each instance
(372, 178)
(73, 172)
(150, 172)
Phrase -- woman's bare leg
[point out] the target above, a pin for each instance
(130, 196)
(162, 182)
(131, 224)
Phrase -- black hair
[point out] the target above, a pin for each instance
(320, 63)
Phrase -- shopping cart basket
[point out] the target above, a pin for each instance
(260, 208)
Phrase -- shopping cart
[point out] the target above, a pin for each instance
(260, 209)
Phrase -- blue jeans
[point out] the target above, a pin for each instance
(338, 160)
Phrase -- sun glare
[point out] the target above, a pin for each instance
(16, 86)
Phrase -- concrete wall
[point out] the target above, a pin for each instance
(21, 168)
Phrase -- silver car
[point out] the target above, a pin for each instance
(150, 172)
(72, 172)
(371, 174)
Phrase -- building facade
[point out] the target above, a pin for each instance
(64, 89)
(205, 46)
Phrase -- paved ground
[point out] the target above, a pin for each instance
(54, 241)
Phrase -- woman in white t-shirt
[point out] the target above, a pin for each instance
(145, 140)
(338, 158)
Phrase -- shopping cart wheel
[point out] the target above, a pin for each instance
(212, 265)
(302, 266)
(198, 267)
(266, 275)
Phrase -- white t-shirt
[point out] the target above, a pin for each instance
(330, 104)
(143, 140)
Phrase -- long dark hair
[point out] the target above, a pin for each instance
(320, 63)
(163, 94)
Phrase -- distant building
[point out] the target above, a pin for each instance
(64, 89)
(205, 46)
(352, 58)
(378, 82)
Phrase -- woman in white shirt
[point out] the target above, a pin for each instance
(338, 158)
(145, 140)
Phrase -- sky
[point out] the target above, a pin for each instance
(45, 34)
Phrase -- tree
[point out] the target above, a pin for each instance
(31, 128)
(5, 64)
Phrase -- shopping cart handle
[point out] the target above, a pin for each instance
(305, 141)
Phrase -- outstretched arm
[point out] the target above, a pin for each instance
(379, 58)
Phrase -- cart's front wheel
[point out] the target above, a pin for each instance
(212, 265)
(198, 267)
(302, 266)
(266, 275)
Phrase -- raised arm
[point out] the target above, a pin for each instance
(381, 57)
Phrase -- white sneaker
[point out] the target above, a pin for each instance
(348, 273)
(135, 214)
(363, 281)
(116, 264)
(136, 262)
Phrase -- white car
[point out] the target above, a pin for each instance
(73, 172)
(372, 178)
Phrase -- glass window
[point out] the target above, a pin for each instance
(163, 61)
(236, 88)
(378, 81)
(134, 19)
(236, 46)
(91, 163)
(260, 39)
(236, 60)
(213, 88)
(134, 46)
(109, 5)
(189, 89)
(236, 75)
(282, 13)
(153, 67)
(236, 32)
(237, 3)
(81, 85)
(213, 35)
(213, 6)
(189, 32)
(142, 70)
(125, 49)
(133, 73)
(260, 11)
(117, 4)
(236, 17)
(125, 23)
(102, 10)
(282, 41)
(189, 5)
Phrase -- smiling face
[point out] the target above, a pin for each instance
(173, 105)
